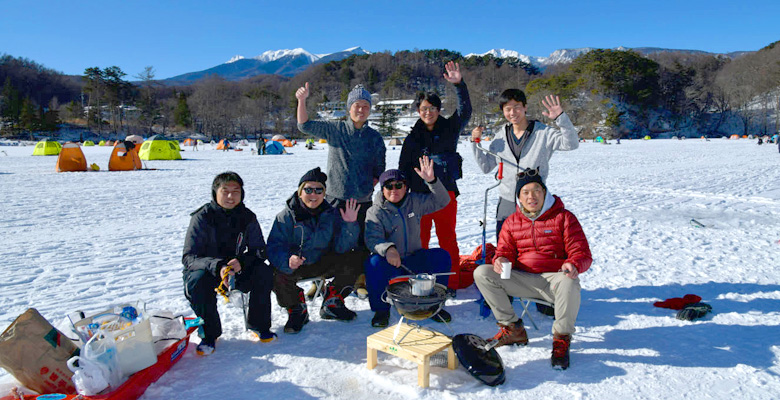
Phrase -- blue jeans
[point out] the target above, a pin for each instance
(379, 272)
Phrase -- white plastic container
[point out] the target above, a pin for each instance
(135, 347)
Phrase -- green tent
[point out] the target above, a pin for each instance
(647, 137)
(88, 143)
(47, 147)
(159, 148)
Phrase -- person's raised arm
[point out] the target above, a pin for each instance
(301, 94)
(566, 138)
(454, 76)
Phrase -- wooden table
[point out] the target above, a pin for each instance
(418, 346)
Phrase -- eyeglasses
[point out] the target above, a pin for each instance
(391, 185)
(310, 190)
(527, 172)
(428, 109)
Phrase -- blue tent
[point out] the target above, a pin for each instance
(274, 147)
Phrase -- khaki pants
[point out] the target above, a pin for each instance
(554, 287)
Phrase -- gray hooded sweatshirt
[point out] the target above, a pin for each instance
(535, 153)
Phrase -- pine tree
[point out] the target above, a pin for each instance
(27, 117)
(387, 120)
(182, 115)
(9, 102)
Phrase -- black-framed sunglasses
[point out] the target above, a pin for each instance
(391, 185)
(310, 190)
(527, 172)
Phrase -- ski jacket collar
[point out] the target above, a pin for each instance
(302, 213)
(550, 201)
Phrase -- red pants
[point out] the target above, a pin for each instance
(445, 220)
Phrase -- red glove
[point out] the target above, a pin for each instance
(678, 303)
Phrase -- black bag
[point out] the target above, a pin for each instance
(448, 165)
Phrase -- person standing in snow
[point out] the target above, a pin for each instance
(224, 240)
(437, 137)
(548, 251)
(309, 239)
(527, 143)
(356, 155)
(393, 236)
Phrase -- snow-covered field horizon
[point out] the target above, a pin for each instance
(86, 241)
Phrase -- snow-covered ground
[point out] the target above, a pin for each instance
(85, 241)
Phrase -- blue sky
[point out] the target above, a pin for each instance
(176, 37)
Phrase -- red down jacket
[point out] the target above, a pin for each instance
(543, 245)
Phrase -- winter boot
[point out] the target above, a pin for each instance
(560, 351)
(333, 306)
(206, 347)
(381, 319)
(513, 333)
(297, 317)
(264, 337)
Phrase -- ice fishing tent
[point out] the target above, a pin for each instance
(88, 143)
(111, 142)
(323, 141)
(600, 139)
(734, 137)
(273, 147)
(123, 159)
(135, 139)
(395, 142)
(279, 138)
(243, 142)
(189, 142)
(287, 143)
(71, 158)
(647, 137)
(47, 147)
(224, 144)
(102, 143)
(158, 148)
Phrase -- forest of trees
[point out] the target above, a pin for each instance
(607, 92)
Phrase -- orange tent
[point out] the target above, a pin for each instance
(124, 160)
(744, 136)
(224, 144)
(287, 143)
(734, 137)
(189, 142)
(71, 158)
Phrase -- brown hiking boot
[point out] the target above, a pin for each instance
(513, 333)
(560, 351)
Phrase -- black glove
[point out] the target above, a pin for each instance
(693, 311)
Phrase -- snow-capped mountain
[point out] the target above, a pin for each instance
(281, 62)
(556, 57)
(568, 55)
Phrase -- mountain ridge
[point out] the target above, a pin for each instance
(290, 62)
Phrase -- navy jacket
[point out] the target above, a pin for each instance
(311, 235)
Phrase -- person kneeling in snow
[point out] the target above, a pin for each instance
(548, 250)
(309, 239)
(224, 240)
(393, 236)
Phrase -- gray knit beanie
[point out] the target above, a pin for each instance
(358, 93)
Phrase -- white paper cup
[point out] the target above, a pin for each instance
(506, 270)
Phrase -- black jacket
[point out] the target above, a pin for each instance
(440, 144)
(213, 239)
